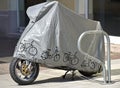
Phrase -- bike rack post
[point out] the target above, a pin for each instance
(108, 57)
(106, 74)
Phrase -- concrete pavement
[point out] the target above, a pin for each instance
(51, 78)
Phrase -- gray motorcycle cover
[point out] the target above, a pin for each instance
(51, 38)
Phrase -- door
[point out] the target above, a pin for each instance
(30, 3)
(108, 13)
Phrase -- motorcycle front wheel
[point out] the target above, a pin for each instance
(23, 72)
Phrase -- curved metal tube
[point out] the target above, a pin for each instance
(105, 73)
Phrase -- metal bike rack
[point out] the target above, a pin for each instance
(106, 72)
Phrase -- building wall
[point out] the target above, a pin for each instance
(4, 24)
(68, 3)
(4, 4)
(11, 18)
(79, 6)
(8, 18)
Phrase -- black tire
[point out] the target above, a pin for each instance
(87, 74)
(25, 80)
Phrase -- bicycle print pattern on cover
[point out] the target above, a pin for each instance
(71, 58)
(89, 63)
(29, 48)
(47, 55)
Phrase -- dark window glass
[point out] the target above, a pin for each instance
(108, 13)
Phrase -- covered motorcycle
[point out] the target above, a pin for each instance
(51, 39)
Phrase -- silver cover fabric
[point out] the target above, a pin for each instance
(51, 38)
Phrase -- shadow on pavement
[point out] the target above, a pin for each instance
(59, 79)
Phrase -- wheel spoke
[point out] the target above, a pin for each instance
(26, 77)
(23, 72)
(18, 66)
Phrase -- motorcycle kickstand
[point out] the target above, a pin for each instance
(73, 74)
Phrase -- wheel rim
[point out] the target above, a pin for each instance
(23, 72)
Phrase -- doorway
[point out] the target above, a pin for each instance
(28, 3)
(108, 13)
